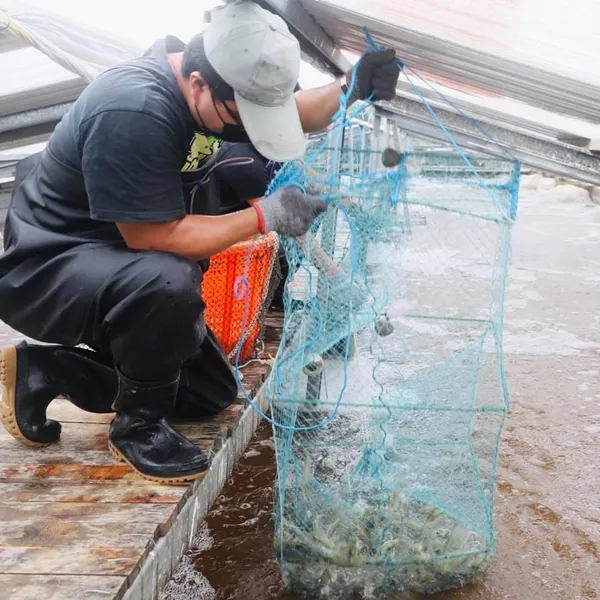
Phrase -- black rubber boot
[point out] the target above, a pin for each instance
(34, 375)
(140, 435)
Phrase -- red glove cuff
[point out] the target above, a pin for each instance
(261, 218)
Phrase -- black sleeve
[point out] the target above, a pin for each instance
(244, 170)
(131, 168)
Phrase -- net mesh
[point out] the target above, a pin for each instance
(388, 391)
(236, 290)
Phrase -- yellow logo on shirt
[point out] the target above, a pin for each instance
(201, 148)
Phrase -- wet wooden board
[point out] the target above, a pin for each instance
(74, 523)
(119, 491)
(27, 472)
(65, 412)
(97, 538)
(26, 587)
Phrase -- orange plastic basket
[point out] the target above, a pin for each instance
(224, 314)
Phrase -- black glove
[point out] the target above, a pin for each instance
(377, 73)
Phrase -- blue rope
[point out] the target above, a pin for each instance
(461, 112)
(371, 43)
(404, 67)
(241, 289)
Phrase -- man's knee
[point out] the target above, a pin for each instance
(176, 287)
(155, 322)
(178, 280)
(163, 289)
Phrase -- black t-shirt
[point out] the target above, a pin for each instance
(131, 135)
(127, 151)
(121, 154)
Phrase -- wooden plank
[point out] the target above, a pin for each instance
(271, 348)
(82, 447)
(60, 472)
(86, 443)
(91, 435)
(74, 438)
(66, 412)
(253, 380)
(59, 587)
(230, 419)
(99, 538)
(121, 491)
(73, 522)
(59, 455)
(72, 559)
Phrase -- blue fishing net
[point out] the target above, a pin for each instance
(388, 392)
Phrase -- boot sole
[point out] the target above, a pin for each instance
(164, 480)
(8, 412)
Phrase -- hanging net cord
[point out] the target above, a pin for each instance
(345, 291)
(387, 394)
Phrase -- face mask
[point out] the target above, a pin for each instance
(231, 133)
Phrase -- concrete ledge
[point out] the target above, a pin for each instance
(161, 561)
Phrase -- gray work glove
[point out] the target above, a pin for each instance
(289, 211)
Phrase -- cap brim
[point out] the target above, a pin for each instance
(275, 131)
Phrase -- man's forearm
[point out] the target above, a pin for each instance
(195, 236)
(198, 237)
(375, 77)
(287, 211)
(317, 106)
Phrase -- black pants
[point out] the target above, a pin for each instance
(139, 311)
(144, 310)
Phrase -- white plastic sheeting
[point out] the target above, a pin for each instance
(561, 37)
(45, 63)
(81, 50)
(39, 48)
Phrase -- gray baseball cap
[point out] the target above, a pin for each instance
(254, 52)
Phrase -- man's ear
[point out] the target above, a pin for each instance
(196, 79)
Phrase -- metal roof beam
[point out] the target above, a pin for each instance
(48, 95)
(459, 63)
(29, 118)
(506, 120)
(5, 194)
(315, 43)
(7, 171)
(30, 127)
(553, 157)
(26, 136)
